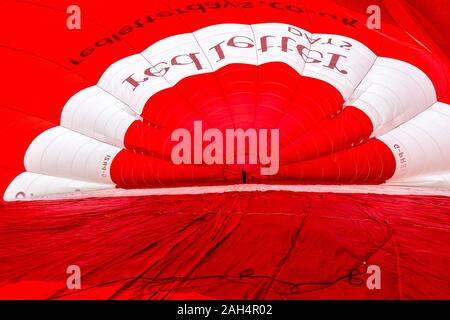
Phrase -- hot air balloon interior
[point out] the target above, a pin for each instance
(225, 149)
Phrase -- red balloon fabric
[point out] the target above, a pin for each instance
(182, 93)
(97, 108)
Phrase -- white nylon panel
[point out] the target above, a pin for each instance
(29, 185)
(392, 93)
(61, 152)
(113, 79)
(422, 146)
(175, 53)
(353, 63)
(210, 37)
(274, 52)
(95, 113)
(389, 91)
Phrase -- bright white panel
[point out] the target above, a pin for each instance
(392, 93)
(214, 42)
(274, 32)
(344, 62)
(421, 146)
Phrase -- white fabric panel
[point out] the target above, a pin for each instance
(353, 63)
(394, 95)
(61, 152)
(201, 190)
(29, 185)
(421, 146)
(274, 52)
(97, 114)
(393, 92)
(178, 48)
(440, 180)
